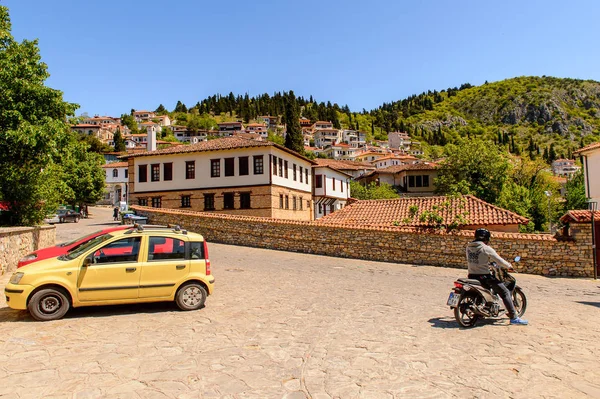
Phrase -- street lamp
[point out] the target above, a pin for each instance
(592, 205)
(549, 194)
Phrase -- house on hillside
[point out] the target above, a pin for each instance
(591, 167)
(229, 175)
(143, 116)
(227, 129)
(412, 179)
(468, 213)
(331, 190)
(326, 137)
(564, 168)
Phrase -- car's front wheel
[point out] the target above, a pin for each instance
(191, 296)
(48, 304)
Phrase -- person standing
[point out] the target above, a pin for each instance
(116, 213)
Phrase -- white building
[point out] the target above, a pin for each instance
(326, 136)
(116, 183)
(591, 168)
(143, 116)
(228, 175)
(565, 168)
(331, 190)
(399, 141)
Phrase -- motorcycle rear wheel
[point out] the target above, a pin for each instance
(520, 301)
(463, 312)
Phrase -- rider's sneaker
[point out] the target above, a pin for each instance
(519, 322)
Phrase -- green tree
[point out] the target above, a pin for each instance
(161, 110)
(180, 107)
(34, 134)
(575, 197)
(83, 175)
(472, 167)
(119, 141)
(293, 139)
(372, 191)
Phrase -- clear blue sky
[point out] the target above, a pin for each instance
(110, 56)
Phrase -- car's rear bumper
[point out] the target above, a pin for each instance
(16, 295)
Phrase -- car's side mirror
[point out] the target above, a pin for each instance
(87, 261)
(517, 258)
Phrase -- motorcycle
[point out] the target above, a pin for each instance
(471, 301)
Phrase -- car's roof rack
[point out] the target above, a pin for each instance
(138, 228)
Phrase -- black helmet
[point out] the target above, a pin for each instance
(482, 235)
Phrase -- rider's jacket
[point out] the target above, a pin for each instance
(479, 256)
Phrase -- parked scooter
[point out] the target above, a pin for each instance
(471, 301)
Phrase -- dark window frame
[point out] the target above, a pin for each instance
(190, 170)
(280, 174)
(243, 166)
(259, 166)
(209, 202)
(229, 167)
(156, 202)
(215, 167)
(245, 200)
(294, 171)
(142, 173)
(155, 172)
(168, 171)
(285, 169)
(143, 201)
(425, 180)
(318, 181)
(186, 201)
(274, 165)
(411, 181)
(229, 200)
(300, 174)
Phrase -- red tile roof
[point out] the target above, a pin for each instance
(344, 165)
(413, 166)
(115, 165)
(580, 216)
(380, 213)
(592, 146)
(226, 143)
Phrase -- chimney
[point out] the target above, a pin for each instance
(151, 142)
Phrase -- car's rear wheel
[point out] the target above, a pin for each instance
(48, 304)
(191, 296)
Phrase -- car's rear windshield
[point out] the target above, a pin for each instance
(80, 249)
(84, 238)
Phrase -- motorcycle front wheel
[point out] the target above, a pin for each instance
(520, 301)
(464, 313)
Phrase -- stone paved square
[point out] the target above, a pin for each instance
(288, 325)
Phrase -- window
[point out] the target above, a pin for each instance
(342, 186)
(333, 183)
(215, 168)
(196, 250)
(300, 167)
(156, 202)
(419, 181)
(294, 207)
(300, 201)
(115, 173)
(331, 208)
(228, 201)
(280, 201)
(186, 201)
(275, 165)
(294, 171)
(124, 250)
(209, 202)
(280, 167)
(229, 166)
(411, 181)
(142, 201)
(155, 172)
(245, 200)
(165, 248)
(143, 173)
(318, 181)
(287, 202)
(306, 175)
(258, 165)
(190, 169)
(425, 180)
(243, 166)
(168, 171)
(285, 169)
(126, 172)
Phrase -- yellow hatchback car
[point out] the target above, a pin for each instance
(149, 264)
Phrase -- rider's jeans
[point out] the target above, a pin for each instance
(490, 282)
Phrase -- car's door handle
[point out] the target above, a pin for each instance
(130, 269)
(180, 267)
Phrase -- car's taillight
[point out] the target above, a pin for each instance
(458, 285)
(207, 261)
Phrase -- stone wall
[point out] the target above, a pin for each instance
(540, 253)
(16, 242)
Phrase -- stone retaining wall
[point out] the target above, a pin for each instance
(16, 242)
(540, 253)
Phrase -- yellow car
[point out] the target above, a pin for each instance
(149, 264)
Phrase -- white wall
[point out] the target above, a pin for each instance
(341, 191)
(203, 177)
(593, 174)
(121, 175)
(289, 182)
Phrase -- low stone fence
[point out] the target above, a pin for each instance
(16, 242)
(540, 253)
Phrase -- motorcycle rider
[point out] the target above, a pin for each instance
(479, 256)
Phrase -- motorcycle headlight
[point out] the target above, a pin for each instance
(16, 278)
(28, 258)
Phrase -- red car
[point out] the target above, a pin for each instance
(63, 248)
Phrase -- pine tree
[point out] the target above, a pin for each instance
(293, 139)
(180, 107)
(551, 154)
(119, 141)
(161, 109)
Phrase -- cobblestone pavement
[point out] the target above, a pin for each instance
(287, 325)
